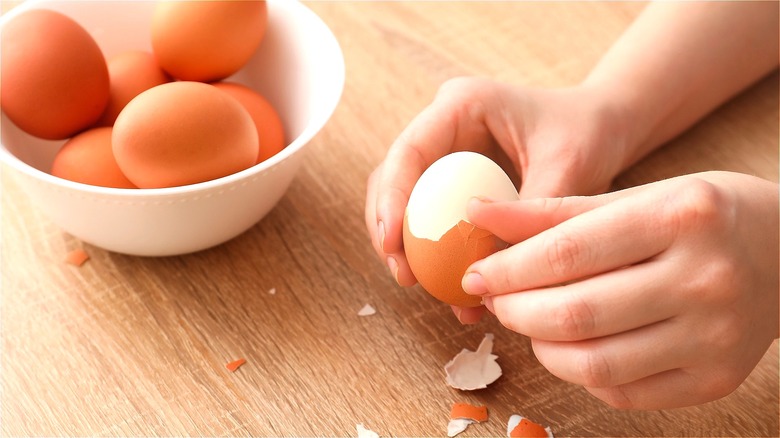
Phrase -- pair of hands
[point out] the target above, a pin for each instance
(653, 297)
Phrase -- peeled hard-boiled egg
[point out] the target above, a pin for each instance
(183, 133)
(439, 241)
(54, 76)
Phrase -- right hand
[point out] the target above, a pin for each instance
(557, 142)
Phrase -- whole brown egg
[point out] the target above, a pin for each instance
(183, 133)
(207, 40)
(54, 79)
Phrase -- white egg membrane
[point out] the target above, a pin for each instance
(438, 200)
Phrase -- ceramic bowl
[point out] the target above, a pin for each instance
(299, 68)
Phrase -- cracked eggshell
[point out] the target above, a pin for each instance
(439, 242)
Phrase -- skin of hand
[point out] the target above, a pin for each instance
(518, 127)
(658, 296)
(575, 141)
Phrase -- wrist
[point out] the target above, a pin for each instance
(628, 124)
(615, 124)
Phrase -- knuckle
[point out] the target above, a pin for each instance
(564, 254)
(573, 320)
(697, 205)
(594, 369)
(617, 398)
(719, 385)
(717, 281)
(505, 315)
(725, 335)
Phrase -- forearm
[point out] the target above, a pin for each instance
(679, 61)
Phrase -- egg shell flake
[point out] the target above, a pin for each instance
(521, 427)
(438, 200)
(468, 411)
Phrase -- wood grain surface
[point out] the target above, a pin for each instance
(132, 346)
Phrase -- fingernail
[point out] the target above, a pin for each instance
(474, 284)
(393, 265)
(488, 303)
(381, 233)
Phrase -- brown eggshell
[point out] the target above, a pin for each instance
(207, 40)
(88, 158)
(54, 76)
(440, 265)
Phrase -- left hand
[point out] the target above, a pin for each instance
(658, 296)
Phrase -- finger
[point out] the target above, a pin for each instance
(375, 229)
(399, 267)
(606, 304)
(396, 262)
(670, 389)
(468, 315)
(515, 221)
(618, 359)
(618, 234)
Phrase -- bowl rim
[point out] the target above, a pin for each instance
(312, 128)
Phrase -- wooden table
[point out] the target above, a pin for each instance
(138, 346)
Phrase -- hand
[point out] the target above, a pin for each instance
(657, 296)
(559, 142)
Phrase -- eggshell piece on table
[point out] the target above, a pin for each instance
(458, 425)
(470, 370)
(130, 73)
(270, 130)
(183, 133)
(232, 366)
(207, 40)
(364, 432)
(76, 257)
(89, 159)
(469, 411)
(520, 427)
(54, 76)
(439, 242)
(367, 310)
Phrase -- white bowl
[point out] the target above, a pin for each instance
(299, 68)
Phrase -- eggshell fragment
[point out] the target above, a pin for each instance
(54, 76)
(520, 427)
(234, 365)
(470, 370)
(458, 425)
(183, 133)
(367, 310)
(207, 40)
(77, 257)
(88, 158)
(469, 411)
(439, 242)
(363, 432)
